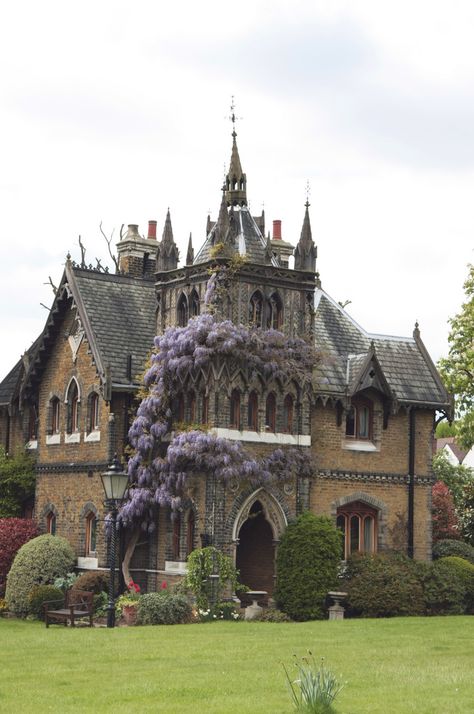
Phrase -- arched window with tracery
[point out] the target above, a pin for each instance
(72, 399)
(182, 311)
(270, 412)
(256, 309)
(288, 410)
(275, 312)
(235, 409)
(194, 304)
(54, 415)
(358, 523)
(93, 409)
(252, 412)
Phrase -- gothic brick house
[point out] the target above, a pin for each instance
(367, 417)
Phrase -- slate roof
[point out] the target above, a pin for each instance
(246, 240)
(406, 365)
(9, 384)
(121, 318)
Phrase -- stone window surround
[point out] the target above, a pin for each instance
(372, 501)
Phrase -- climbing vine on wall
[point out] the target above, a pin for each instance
(163, 462)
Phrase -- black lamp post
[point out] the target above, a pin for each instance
(115, 482)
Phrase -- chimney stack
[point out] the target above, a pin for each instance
(276, 230)
(151, 230)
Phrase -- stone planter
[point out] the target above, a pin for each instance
(129, 614)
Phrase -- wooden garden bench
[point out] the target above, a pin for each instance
(77, 604)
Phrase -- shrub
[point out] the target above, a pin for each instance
(163, 608)
(14, 532)
(383, 585)
(17, 482)
(447, 587)
(447, 546)
(94, 582)
(202, 563)
(445, 520)
(307, 566)
(41, 594)
(271, 614)
(38, 562)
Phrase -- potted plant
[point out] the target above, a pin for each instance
(127, 603)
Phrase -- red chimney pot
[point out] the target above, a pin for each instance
(151, 230)
(276, 230)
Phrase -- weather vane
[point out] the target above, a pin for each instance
(233, 118)
(308, 192)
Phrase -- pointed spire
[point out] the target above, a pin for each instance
(236, 180)
(168, 254)
(223, 224)
(190, 253)
(306, 252)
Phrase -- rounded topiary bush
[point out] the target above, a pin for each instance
(449, 587)
(444, 548)
(307, 566)
(41, 594)
(94, 582)
(38, 562)
(163, 609)
(383, 585)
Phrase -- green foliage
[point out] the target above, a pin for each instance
(315, 688)
(204, 562)
(38, 562)
(457, 369)
(446, 587)
(383, 585)
(307, 566)
(447, 547)
(17, 482)
(41, 594)
(445, 429)
(163, 608)
(100, 604)
(272, 614)
(92, 581)
(67, 581)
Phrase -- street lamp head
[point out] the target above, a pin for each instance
(115, 481)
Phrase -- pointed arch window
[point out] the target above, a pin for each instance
(93, 421)
(288, 410)
(270, 412)
(51, 523)
(358, 523)
(176, 540)
(178, 408)
(192, 407)
(182, 311)
(54, 418)
(32, 423)
(72, 399)
(190, 532)
(256, 309)
(252, 413)
(275, 312)
(194, 304)
(205, 409)
(235, 409)
(91, 534)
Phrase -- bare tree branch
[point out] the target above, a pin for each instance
(50, 282)
(109, 241)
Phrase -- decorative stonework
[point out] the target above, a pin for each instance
(272, 509)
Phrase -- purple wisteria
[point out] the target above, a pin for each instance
(163, 462)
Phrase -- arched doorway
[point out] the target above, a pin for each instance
(256, 551)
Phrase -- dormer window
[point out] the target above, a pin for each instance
(359, 419)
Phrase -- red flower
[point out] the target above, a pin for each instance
(164, 585)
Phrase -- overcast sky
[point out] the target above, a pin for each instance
(113, 111)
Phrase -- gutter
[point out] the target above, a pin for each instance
(411, 482)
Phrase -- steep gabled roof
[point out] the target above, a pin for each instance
(117, 313)
(11, 385)
(406, 366)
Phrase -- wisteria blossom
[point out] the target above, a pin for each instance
(163, 462)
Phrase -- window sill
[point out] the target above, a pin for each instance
(92, 436)
(176, 567)
(53, 439)
(73, 438)
(88, 563)
(356, 445)
(266, 437)
(32, 444)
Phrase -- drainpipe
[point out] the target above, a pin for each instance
(411, 482)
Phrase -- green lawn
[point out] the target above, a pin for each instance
(398, 665)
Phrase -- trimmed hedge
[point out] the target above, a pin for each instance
(94, 582)
(449, 586)
(14, 532)
(38, 562)
(383, 585)
(307, 566)
(444, 548)
(41, 594)
(163, 609)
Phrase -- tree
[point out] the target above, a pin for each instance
(460, 481)
(457, 369)
(17, 482)
(445, 521)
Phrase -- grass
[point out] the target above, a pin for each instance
(421, 665)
